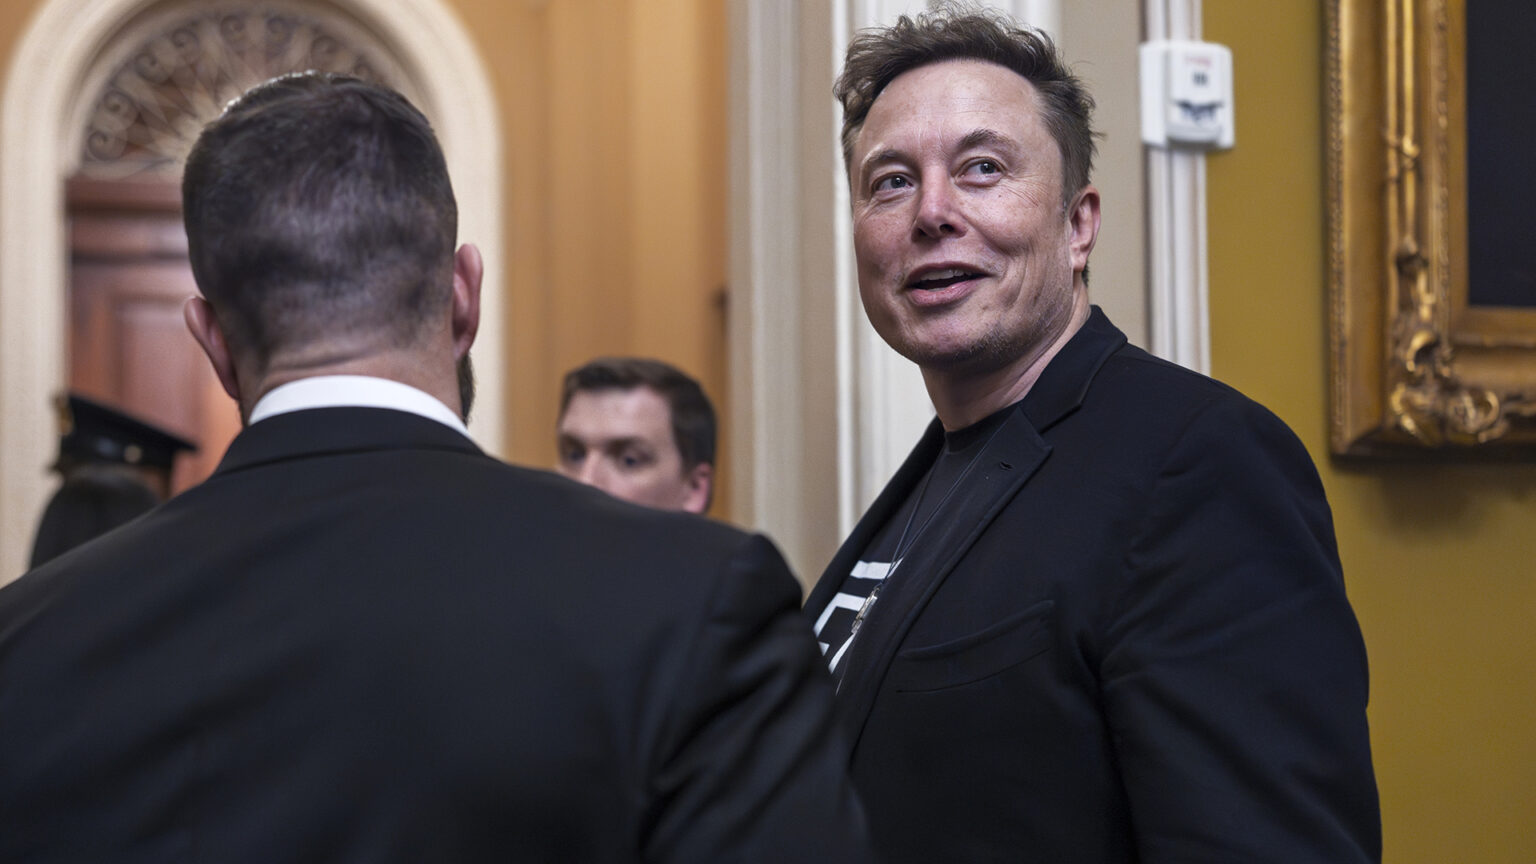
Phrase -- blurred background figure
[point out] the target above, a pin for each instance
(640, 430)
(114, 467)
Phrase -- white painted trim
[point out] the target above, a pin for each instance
(765, 251)
(41, 101)
(1179, 308)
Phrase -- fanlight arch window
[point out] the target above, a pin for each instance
(165, 77)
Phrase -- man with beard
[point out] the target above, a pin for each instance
(362, 639)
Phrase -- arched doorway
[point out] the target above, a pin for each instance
(48, 105)
(156, 85)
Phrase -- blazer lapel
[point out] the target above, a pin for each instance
(1001, 469)
(1005, 464)
(888, 502)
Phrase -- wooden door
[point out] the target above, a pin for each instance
(128, 345)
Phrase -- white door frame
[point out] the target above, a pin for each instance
(43, 98)
(1177, 282)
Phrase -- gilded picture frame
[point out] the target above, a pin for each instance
(1415, 367)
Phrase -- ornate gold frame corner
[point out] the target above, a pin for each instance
(1414, 369)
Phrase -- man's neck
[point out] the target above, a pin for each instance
(962, 398)
(406, 367)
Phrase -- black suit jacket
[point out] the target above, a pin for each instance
(364, 640)
(1126, 639)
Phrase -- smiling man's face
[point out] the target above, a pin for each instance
(966, 253)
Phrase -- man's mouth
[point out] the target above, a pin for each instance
(936, 279)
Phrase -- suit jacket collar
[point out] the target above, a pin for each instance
(1063, 385)
(324, 431)
(1002, 468)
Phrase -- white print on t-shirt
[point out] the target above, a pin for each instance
(869, 574)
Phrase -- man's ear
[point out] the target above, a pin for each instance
(701, 487)
(1083, 225)
(205, 329)
(468, 270)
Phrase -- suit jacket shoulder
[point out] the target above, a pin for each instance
(1088, 664)
(362, 637)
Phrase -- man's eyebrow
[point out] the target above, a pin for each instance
(972, 140)
(889, 154)
(623, 441)
(986, 138)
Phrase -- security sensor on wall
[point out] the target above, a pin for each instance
(1186, 95)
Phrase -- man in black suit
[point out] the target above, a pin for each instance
(1098, 615)
(364, 640)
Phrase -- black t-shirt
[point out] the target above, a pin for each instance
(921, 516)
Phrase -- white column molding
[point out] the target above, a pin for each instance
(1176, 245)
(767, 375)
(41, 101)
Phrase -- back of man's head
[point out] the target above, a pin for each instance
(318, 211)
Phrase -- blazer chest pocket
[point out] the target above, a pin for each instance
(975, 656)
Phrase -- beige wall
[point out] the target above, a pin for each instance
(1440, 558)
(1099, 38)
(615, 152)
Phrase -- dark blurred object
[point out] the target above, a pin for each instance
(91, 433)
(115, 467)
(94, 499)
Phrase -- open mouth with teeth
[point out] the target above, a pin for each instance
(942, 279)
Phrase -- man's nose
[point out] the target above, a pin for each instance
(938, 212)
(588, 470)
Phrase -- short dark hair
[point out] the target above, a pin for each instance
(876, 56)
(693, 417)
(318, 205)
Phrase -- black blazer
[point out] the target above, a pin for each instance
(364, 640)
(1128, 640)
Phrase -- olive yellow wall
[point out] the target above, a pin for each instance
(614, 140)
(1440, 558)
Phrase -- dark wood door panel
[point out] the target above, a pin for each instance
(128, 345)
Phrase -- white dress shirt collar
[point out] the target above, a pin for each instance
(353, 391)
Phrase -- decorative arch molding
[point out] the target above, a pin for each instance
(44, 107)
(175, 67)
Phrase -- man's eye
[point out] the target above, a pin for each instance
(983, 166)
(891, 182)
(634, 460)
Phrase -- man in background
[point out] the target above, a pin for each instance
(113, 467)
(1098, 614)
(640, 430)
(362, 639)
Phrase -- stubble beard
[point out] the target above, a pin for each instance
(995, 348)
(466, 375)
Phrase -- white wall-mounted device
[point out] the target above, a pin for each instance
(1186, 94)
